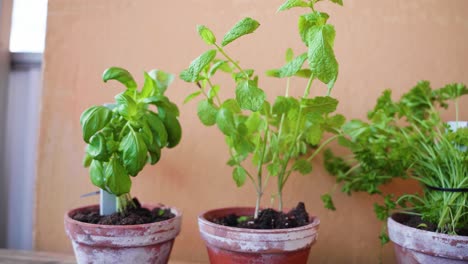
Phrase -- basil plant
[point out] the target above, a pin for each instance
(124, 136)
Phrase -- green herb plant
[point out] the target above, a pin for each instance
(122, 137)
(281, 137)
(407, 139)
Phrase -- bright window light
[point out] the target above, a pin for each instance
(28, 26)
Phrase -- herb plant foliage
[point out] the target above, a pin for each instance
(278, 137)
(124, 136)
(408, 139)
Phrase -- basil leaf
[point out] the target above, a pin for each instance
(133, 150)
(96, 173)
(239, 175)
(174, 130)
(94, 119)
(97, 147)
(117, 180)
(162, 81)
(120, 75)
(158, 129)
(148, 87)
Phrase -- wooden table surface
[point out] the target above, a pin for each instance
(34, 257)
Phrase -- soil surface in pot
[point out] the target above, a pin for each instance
(415, 221)
(133, 216)
(267, 219)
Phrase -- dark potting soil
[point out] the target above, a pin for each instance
(268, 219)
(415, 221)
(133, 216)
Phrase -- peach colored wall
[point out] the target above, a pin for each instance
(379, 44)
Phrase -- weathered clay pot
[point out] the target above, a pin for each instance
(229, 245)
(415, 246)
(147, 243)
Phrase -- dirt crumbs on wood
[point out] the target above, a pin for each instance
(268, 219)
(133, 216)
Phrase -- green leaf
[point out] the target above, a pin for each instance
(314, 134)
(173, 128)
(302, 166)
(255, 123)
(249, 96)
(133, 150)
(335, 122)
(355, 128)
(232, 105)
(192, 74)
(289, 55)
(192, 96)
(162, 102)
(273, 169)
(239, 175)
(94, 119)
(97, 147)
(328, 202)
(207, 112)
(321, 56)
(121, 75)
(96, 173)
(117, 180)
(243, 27)
(340, 2)
(213, 91)
(309, 21)
(304, 73)
(206, 34)
(219, 65)
(126, 106)
(284, 104)
(155, 156)
(157, 127)
(289, 69)
(162, 81)
(292, 3)
(320, 104)
(87, 160)
(225, 121)
(148, 86)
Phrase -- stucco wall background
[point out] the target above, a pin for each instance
(379, 44)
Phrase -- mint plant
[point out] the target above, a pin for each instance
(279, 137)
(407, 139)
(123, 137)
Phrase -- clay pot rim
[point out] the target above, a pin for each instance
(314, 222)
(405, 227)
(68, 219)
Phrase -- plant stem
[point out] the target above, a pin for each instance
(221, 50)
(216, 96)
(317, 151)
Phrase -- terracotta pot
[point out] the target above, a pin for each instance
(229, 245)
(414, 246)
(147, 243)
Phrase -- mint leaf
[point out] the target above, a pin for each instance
(292, 3)
(96, 173)
(243, 27)
(309, 21)
(94, 119)
(321, 56)
(207, 112)
(133, 150)
(239, 175)
(232, 105)
(289, 55)
(219, 65)
(249, 96)
(192, 74)
(289, 69)
(117, 180)
(206, 34)
(192, 96)
(340, 2)
(213, 91)
(225, 121)
(319, 104)
(121, 75)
